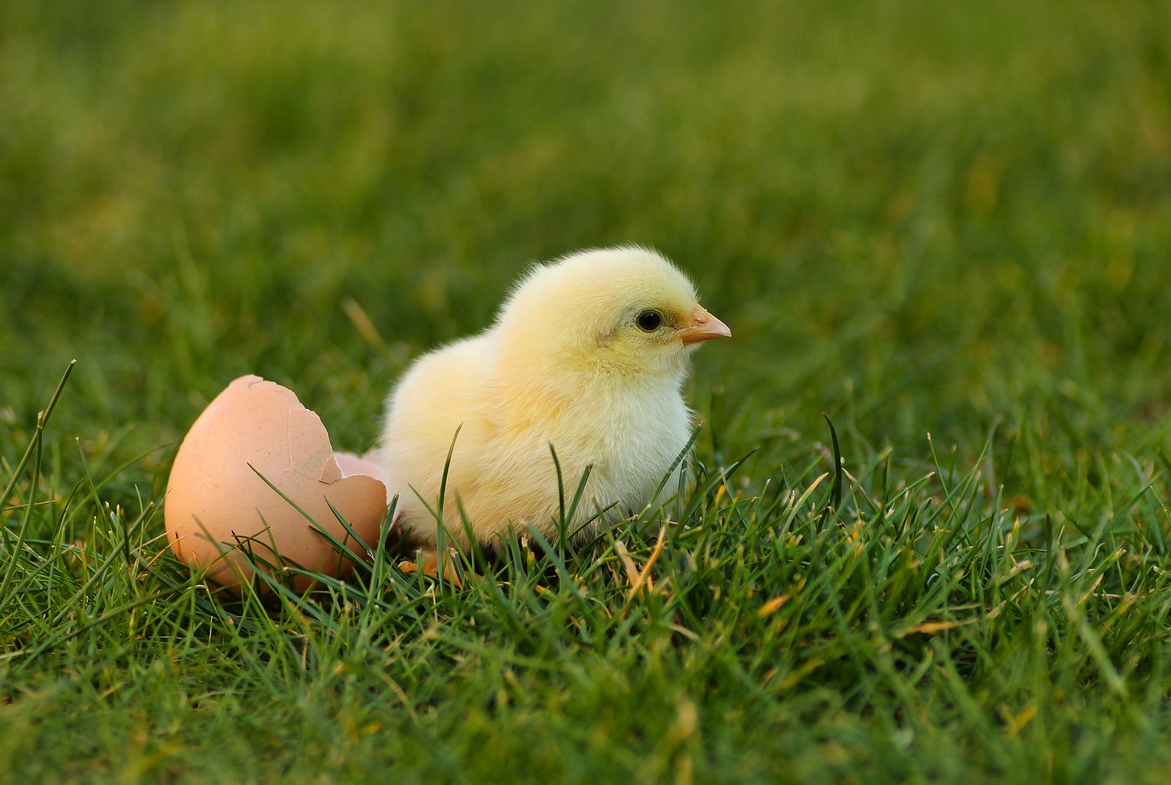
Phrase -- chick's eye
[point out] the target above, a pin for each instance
(649, 321)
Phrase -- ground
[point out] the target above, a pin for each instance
(939, 232)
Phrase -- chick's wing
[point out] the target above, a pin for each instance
(443, 392)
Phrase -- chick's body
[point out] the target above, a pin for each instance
(587, 356)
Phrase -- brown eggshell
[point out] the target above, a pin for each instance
(368, 464)
(217, 505)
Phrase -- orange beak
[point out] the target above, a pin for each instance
(703, 327)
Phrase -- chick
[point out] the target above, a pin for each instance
(588, 356)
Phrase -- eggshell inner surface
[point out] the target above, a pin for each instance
(369, 464)
(218, 505)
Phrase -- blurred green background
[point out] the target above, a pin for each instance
(934, 215)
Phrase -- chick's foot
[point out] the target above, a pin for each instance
(427, 561)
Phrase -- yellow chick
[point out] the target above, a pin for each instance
(588, 356)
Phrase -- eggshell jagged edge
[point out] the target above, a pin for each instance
(217, 498)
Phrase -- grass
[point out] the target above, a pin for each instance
(945, 227)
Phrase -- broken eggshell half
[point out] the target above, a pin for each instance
(223, 517)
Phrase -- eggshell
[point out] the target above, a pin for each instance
(218, 505)
(368, 464)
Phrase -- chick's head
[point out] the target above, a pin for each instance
(624, 312)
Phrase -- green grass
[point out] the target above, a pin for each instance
(945, 226)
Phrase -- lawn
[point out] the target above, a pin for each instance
(940, 233)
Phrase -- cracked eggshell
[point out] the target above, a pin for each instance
(216, 501)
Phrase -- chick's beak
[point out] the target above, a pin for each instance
(703, 327)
